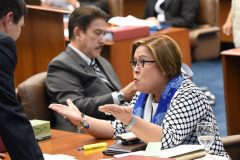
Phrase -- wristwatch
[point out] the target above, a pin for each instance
(83, 122)
(131, 124)
(121, 97)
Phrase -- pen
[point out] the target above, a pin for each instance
(92, 146)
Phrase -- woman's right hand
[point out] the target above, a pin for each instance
(122, 113)
(70, 112)
(129, 91)
(2, 156)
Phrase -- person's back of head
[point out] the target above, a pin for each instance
(17, 7)
(83, 16)
(12, 14)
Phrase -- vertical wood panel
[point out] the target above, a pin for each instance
(231, 68)
(225, 6)
(134, 7)
(41, 39)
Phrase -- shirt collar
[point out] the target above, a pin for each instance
(81, 54)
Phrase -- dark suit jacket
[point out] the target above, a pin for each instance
(69, 76)
(178, 13)
(15, 128)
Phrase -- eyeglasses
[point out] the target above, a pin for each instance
(140, 63)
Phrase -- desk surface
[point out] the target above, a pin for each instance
(63, 142)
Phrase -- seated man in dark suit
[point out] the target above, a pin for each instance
(15, 129)
(80, 73)
(177, 13)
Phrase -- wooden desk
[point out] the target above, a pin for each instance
(63, 142)
(119, 52)
(41, 39)
(231, 76)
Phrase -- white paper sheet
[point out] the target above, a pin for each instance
(166, 153)
(130, 21)
(58, 157)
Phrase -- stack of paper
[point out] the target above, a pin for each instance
(130, 21)
(181, 152)
(133, 21)
(134, 157)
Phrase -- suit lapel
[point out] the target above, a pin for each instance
(115, 83)
(166, 4)
(77, 58)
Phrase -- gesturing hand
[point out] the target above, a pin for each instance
(70, 112)
(123, 113)
(129, 91)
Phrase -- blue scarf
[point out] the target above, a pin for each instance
(164, 103)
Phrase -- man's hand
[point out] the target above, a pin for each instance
(129, 91)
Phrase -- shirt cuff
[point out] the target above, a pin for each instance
(115, 98)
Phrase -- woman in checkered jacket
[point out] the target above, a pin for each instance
(167, 107)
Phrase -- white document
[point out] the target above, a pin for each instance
(215, 157)
(153, 148)
(58, 157)
(179, 150)
(130, 21)
(167, 153)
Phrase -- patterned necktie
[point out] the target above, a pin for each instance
(100, 73)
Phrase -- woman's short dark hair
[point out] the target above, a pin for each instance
(18, 7)
(165, 51)
(83, 16)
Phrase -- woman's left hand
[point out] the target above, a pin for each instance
(122, 113)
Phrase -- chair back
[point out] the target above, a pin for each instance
(208, 12)
(115, 7)
(205, 38)
(33, 98)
